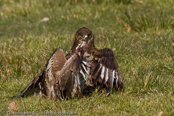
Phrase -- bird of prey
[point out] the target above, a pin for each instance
(57, 76)
(66, 75)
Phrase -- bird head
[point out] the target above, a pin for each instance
(83, 37)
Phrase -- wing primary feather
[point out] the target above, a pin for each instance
(107, 75)
(116, 77)
(49, 68)
(102, 72)
(113, 77)
(84, 68)
(96, 74)
(97, 77)
(84, 62)
(78, 85)
(116, 81)
(102, 84)
(107, 70)
(33, 83)
(81, 72)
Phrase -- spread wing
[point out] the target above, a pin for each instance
(32, 84)
(45, 79)
(107, 71)
(70, 71)
(54, 65)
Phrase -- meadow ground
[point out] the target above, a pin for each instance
(140, 32)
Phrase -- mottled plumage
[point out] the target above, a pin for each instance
(107, 71)
(85, 65)
(61, 73)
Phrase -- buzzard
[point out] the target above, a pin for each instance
(66, 75)
(58, 62)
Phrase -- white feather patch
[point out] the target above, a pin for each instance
(40, 93)
(49, 69)
(52, 88)
(75, 82)
(113, 77)
(100, 66)
(84, 62)
(80, 45)
(102, 72)
(52, 91)
(107, 75)
(116, 77)
(84, 68)
(83, 43)
(81, 72)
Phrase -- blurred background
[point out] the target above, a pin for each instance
(19, 18)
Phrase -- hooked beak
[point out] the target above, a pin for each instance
(85, 38)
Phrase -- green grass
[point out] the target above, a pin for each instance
(145, 54)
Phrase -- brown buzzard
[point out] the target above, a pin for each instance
(83, 65)
(58, 63)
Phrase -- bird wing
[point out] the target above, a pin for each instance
(107, 71)
(32, 84)
(71, 67)
(54, 64)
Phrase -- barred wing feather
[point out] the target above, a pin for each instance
(107, 71)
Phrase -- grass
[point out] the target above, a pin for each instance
(139, 32)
